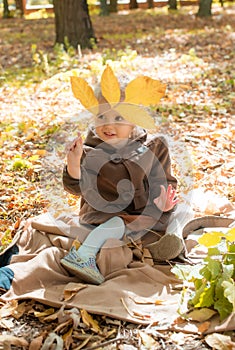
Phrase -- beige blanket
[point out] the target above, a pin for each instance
(133, 290)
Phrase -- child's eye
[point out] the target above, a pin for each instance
(100, 117)
(119, 118)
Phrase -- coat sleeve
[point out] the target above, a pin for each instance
(161, 172)
(70, 184)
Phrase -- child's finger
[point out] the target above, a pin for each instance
(171, 192)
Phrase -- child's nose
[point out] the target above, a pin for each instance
(108, 124)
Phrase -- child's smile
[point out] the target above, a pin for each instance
(112, 128)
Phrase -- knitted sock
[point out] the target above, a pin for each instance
(6, 277)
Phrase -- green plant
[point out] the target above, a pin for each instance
(214, 278)
(40, 59)
(118, 55)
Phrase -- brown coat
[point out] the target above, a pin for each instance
(122, 182)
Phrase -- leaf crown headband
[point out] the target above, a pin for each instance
(142, 91)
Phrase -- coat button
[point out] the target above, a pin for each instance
(115, 158)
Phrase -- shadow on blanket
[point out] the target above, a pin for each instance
(133, 290)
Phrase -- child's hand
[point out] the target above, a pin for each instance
(75, 149)
(74, 155)
(167, 200)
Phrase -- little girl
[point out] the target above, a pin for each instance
(122, 176)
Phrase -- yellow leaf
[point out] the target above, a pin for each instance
(89, 321)
(76, 244)
(147, 340)
(84, 93)
(41, 152)
(135, 115)
(67, 338)
(159, 302)
(47, 312)
(110, 86)
(144, 90)
(210, 239)
(230, 236)
(19, 311)
(72, 289)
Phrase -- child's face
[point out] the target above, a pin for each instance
(112, 128)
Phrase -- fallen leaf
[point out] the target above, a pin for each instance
(47, 312)
(8, 309)
(36, 343)
(219, 341)
(203, 327)
(89, 321)
(67, 338)
(201, 315)
(7, 324)
(72, 289)
(52, 337)
(12, 340)
(147, 340)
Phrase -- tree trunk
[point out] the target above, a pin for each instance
(133, 4)
(72, 23)
(204, 8)
(150, 4)
(113, 6)
(172, 4)
(20, 7)
(104, 10)
(6, 12)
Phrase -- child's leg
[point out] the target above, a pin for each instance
(113, 228)
(82, 262)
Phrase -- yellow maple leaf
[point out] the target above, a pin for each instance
(230, 236)
(144, 90)
(84, 93)
(135, 115)
(210, 239)
(110, 86)
(89, 321)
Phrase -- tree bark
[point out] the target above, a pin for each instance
(104, 10)
(20, 7)
(204, 8)
(133, 4)
(172, 4)
(150, 4)
(6, 12)
(73, 23)
(113, 6)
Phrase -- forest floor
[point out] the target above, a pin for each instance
(194, 57)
